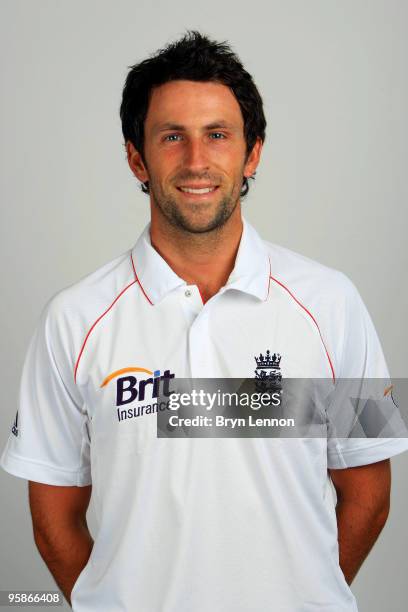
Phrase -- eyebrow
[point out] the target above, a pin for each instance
(163, 127)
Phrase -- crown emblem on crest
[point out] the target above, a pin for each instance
(268, 362)
(268, 376)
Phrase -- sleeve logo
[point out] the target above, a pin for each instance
(14, 428)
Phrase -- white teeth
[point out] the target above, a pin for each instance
(204, 190)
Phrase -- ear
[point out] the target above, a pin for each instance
(136, 163)
(253, 159)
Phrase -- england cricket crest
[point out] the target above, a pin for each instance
(268, 376)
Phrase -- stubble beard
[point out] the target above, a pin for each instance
(171, 210)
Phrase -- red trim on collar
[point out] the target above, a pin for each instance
(139, 283)
(314, 321)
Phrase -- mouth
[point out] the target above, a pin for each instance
(203, 190)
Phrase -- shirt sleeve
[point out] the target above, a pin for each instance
(49, 439)
(365, 425)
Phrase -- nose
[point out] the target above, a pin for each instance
(196, 155)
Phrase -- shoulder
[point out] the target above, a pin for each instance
(98, 286)
(72, 310)
(328, 296)
(308, 279)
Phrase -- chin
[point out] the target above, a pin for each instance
(199, 224)
(193, 216)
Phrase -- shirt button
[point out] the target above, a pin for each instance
(187, 293)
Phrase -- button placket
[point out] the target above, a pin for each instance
(199, 351)
(191, 301)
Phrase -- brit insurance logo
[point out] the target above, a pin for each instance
(140, 391)
(268, 375)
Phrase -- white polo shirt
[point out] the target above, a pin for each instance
(196, 524)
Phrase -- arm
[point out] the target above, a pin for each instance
(363, 502)
(60, 530)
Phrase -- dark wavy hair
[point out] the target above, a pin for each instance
(194, 58)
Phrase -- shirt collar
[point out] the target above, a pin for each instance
(250, 274)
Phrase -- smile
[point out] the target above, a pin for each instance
(198, 191)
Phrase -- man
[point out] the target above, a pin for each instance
(187, 524)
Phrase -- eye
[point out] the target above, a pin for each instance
(172, 137)
(217, 135)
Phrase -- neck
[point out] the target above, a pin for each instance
(205, 259)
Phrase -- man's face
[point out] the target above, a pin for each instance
(195, 154)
